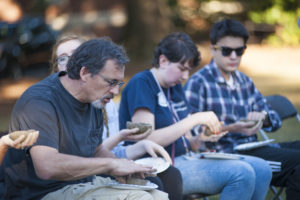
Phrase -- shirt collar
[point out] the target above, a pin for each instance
(218, 75)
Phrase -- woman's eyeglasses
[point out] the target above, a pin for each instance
(226, 51)
(62, 60)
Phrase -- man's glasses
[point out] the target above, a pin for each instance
(62, 60)
(226, 51)
(112, 83)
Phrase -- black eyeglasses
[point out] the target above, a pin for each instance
(112, 83)
(226, 51)
(62, 60)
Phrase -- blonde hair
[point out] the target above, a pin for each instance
(62, 39)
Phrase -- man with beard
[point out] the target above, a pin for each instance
(64, 109)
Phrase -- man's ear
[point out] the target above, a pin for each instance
(84, 74)
(163, 60)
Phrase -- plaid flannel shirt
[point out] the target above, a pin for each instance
(207, 90)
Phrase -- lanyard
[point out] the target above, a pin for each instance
(175, 116)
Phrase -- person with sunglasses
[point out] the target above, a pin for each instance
(155, 96)
(220, 87)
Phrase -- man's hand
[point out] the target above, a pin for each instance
(257, 116)
(197, 141)
(128, 168)
(247, 128)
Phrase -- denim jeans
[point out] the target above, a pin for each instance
(244, 179)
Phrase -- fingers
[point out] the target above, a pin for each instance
(214, 124)
(137, 137)
(256, 116)
(153, 148)
(126, 132)
(121, 179)
(142, 175)
(18, 142)
(22, 141)
(215, 138)
(146, 171)
(27, 141)
(30, 139)
(253, 130)
(247, 124)
(150, 151)
(153, 174)
(257, 126)
(35, 137)
(164, 154)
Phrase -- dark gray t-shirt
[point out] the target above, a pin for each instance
(64, 123)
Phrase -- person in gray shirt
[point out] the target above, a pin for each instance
(64, 108)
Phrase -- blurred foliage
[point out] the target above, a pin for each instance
(34, 7)
(274, 21)
(283, 14)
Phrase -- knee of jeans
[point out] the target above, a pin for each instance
(245, 173)
(262, 168)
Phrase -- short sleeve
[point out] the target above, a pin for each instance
(39, 115)
(141, 94)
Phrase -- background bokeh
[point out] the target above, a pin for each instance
(28, 29)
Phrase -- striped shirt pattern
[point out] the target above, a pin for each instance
(207, 90)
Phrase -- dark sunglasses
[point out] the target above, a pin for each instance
(226, 51)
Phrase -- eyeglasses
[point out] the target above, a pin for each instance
(112, 83)
(62, 60)
(226, 51)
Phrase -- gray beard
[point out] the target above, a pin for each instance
(97, 104)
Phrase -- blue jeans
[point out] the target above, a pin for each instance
(244, 179)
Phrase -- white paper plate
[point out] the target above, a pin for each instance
(252, 145)
(148, 186)
(224, 156)
(159, 164)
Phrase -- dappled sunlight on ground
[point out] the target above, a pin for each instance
(11, 90)
(274, 70)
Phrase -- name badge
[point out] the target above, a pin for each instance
(162, 101)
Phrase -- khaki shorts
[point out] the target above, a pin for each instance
(97, 190)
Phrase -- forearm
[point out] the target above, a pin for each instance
(112, 141)
(3, 149)
(168, 135)
(103, 152)
(65, 167)
(135, 151)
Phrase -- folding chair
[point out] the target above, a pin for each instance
(286, 110)
(283, 107)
